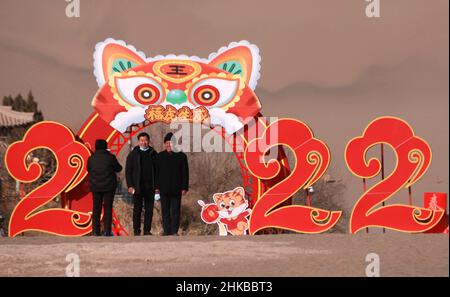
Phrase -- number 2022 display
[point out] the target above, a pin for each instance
(137, 91)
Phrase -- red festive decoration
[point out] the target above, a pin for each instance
(437, 201)
(312, 159)
(136, 91)
(71, 157)
(413, 157)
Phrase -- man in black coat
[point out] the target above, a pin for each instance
(102, 167)
(172, 182)
(140, 175)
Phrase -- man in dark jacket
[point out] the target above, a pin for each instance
(102, 167)
(140, 175)
(172, 182)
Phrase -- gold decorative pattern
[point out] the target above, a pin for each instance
(169, 114)
(196, 70)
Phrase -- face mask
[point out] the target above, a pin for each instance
(144, 149)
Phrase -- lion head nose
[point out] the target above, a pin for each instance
(176, 97)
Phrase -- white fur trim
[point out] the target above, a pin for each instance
(227, 120)
(98, 57)
(176, 57)
(123, 120)
(256, 65)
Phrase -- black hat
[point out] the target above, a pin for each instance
(168, 137)
(100, 144)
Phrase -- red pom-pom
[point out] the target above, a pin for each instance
(210, 213)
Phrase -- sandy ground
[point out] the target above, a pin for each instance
(266, 255)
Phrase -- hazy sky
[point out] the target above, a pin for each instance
(323, 61)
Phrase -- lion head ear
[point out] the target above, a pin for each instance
(112, 56)
(216, 197)
(239, 191)
(240, 58)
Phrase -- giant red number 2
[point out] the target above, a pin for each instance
(413, 157)
(312, 159)
(71, 158)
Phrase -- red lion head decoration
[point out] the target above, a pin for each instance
(134, 87)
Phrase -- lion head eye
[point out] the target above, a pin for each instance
(222, 205)
(139, 90)
(214, 92)
(147, 94)
(232, 203)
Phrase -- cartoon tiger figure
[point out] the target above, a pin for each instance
(229, 210)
